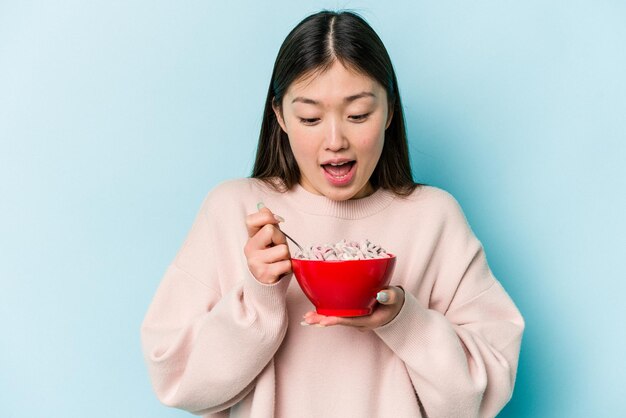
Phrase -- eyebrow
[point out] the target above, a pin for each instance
(348, 99)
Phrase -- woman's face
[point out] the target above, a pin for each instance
(336, 123)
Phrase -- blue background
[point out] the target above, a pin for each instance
(117, 117)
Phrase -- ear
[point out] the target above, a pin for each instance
(389, 117)
(279, 115)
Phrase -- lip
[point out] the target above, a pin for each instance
(337, 161)
(343, 181)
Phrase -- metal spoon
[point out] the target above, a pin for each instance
(261, 205)
(292, 240)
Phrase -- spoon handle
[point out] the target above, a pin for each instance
(292, 240)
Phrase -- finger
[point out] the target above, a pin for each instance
(257, 220)
(278, 269)
(358, 322)
(274, 254)
(269, 272)
(390, 295)
(260, 259)
(273, 272)
(268, 236)
(313, 318)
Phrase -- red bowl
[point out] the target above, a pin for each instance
(343, 287)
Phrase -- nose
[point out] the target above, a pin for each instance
(335, 139)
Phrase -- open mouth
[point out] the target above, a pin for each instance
(339, 174)
(339, 171)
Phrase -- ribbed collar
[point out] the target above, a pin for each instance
(314, 204)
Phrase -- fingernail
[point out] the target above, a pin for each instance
(260, 205)
(304, 324)
(382, 297)
(279, 218)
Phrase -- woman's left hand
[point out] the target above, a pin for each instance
(390, 301)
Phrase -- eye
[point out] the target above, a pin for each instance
(309, 121)
(359, 118)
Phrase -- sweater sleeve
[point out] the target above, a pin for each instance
(462, 350)
(204, 348)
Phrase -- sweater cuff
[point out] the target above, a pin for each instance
(400, 330)
(266, 297)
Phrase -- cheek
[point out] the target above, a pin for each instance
(302, 144)
(372, 139)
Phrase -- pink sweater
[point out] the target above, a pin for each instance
(218, 343)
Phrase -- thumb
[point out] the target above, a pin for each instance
(263, 209)
(390, 295)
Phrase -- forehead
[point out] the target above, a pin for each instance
(336, 82)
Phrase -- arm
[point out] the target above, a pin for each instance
(203, 348)
(462, 364)
(461, 352)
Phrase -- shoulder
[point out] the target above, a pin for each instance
(235, 190)
(440, 220)
(433, 205)
(432, 199)
(235, 197)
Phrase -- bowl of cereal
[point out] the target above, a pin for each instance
(343, 279)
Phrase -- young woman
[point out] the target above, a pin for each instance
(230, 333)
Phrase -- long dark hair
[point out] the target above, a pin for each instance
(314, 45)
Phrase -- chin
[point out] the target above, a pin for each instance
(341, 194)
(337, 193)
(338, 197)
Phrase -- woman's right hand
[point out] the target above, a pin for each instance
(266, 250)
